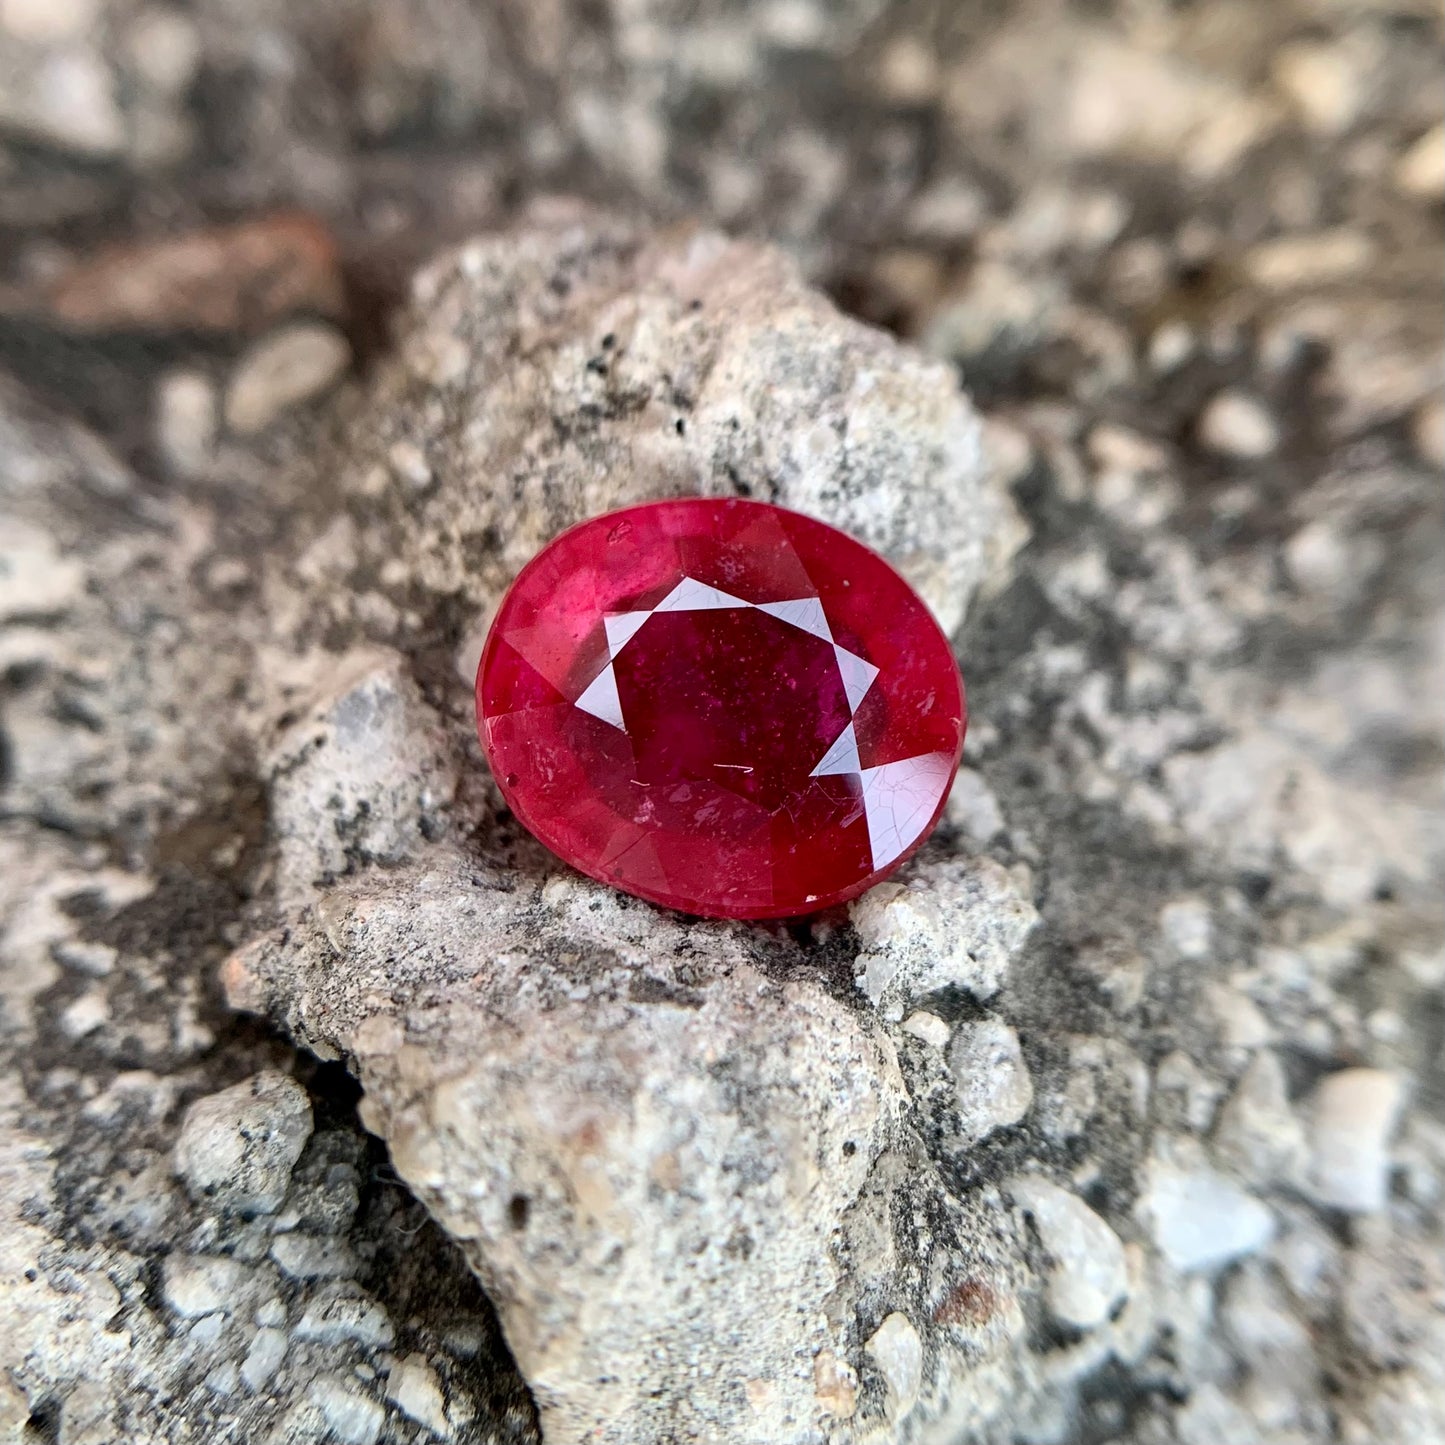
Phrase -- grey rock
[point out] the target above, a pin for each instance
(237, 1148)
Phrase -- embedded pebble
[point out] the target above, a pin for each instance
(1237, 425)
(992, 1080)
(898, 1352)
(1258, 1134)
(282, 371)
(185, 419)
(307, 1256)
(264, 1358)
(1089, 1275)
(352, 1418)
(345, 1317)
(1421, 170)
(237, 1148)
(195, 1285)
(1352, 1115)
(414, 1389)
(1199, 1219)
(928, 1027)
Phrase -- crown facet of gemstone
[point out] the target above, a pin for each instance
(720, 706)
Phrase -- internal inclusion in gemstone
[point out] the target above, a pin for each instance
(721, 706)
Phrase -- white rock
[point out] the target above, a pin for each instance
(1187, 927)
(1323, 80)
(1199, 1219)
(992, 1080)
(237, 1148)
(928, 1027)
(281, 371)
(308, 1256)
(1428, 431)
(1238, 1018)
(1352, 1115)
(1237, 425)
(1090, 1275)
(1257, 1134)
(263, 1359)
(85, 1015)
(953, 923)
(1421, 170)
(185, 419)
(197, 1285)
(414, 1389)
(344, 1318)
(352, 1417)
(35, 577)
(67, 99)
(898, 1352)
(46, 22)
(973, 808)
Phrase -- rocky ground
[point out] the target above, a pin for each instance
(333, 1110)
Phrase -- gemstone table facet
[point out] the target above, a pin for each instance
(721, 706)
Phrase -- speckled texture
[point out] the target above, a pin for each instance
(1185, 261)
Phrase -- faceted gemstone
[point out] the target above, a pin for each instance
(721, 706)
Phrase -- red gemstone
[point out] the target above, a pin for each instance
(721, 706)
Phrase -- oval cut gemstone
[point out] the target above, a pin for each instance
(721, 706)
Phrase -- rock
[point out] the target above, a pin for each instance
(237, 1148)
(1088, 1275)
(992, 1080)
(1421, 170)
(186, 416)
(1324, 81)
(1200, 1220)
(973, 807)
(341, 1318)
(897, 1351)
(414, 1389)
(263, 1359)
(194, 1286)
(282, 371)
(950, 923)
(351, 1417)
(928, 1027)
(1352, 1114)
(63, 98)
(1237, 425)
(245, 277)
(1429, 432)
(1257, 1133)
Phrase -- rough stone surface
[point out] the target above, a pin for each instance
(239, 1147)
(1195, 863)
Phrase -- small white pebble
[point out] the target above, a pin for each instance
(1421, 170)
(1237, 425)
(898, 1352)
(1352, 1116)
(928, 1027)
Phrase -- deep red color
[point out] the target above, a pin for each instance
(721, 706)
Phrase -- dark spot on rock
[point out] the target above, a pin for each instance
(518, 1209)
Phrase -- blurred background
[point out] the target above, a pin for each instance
(1126, 206)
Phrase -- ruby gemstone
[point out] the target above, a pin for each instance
(720, 706)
